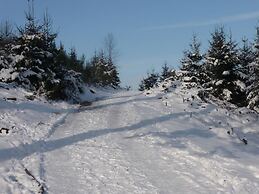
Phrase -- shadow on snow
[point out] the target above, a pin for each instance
(25, 150)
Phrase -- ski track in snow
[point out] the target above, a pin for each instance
(131, 143)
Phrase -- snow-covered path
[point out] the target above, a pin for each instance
(135, 144)
(93, 155)
(128, 143)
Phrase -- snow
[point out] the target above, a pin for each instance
(227, 94)
(30, 37)
(28, 73)
(187, 79)
(241, 85)
(216, 62)
(220, 82)
(16, 47)
(17, 58)
(127, 142)
(8, 74)
(226, 73)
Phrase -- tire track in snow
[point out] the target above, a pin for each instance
(42, 168)
(127, 115)
(107, 167)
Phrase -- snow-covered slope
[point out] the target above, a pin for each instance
(24, 120)
(128, 142)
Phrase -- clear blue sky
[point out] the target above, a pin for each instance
(147, 32)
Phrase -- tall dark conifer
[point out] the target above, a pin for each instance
(246, 57)
(221, 65)
(253, 97)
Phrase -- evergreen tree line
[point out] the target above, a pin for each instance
(152, 79)
(29, 57)
(100, 70)
(227, 70)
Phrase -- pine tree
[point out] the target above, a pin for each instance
(246, 57)
(150, 81)
(111, 54)
(47, 30)
(90, 70)
(34, 63)
(74, 62)
(113, 73)
(192, 63)
(166, 72)
(7, 34)
(221, 65)
(253, 88)
(31, 26)
(102, 71)
(62, 56)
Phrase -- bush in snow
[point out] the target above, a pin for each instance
(66, 85)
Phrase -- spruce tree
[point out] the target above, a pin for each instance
(47, 29)
(111, 54)
(253, 89)
(7, 34)
(221, 65)
(246, 57)
(102, 71)
(150, 81)
(34, 63)
(113, 73)
(192, 63)
(166, 72)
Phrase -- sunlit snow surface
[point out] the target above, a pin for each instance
(127, 142)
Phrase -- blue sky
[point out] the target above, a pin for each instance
(147, 32)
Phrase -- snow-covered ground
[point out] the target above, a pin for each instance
(127, 142)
